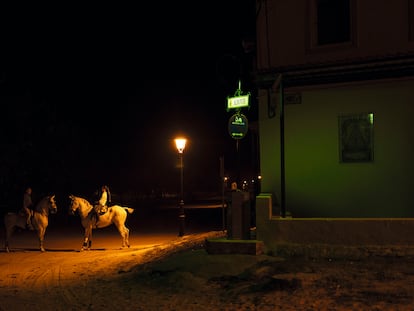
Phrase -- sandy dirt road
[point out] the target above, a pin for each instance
(65, 278)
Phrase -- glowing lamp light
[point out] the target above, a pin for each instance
(180, 144)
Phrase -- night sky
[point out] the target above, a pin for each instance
(97, 97)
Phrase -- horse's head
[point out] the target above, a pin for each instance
(52, 204)
(74, 204)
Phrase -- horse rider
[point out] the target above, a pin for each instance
(104, 200)
(27, 207)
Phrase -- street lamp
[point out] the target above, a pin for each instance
(180, 144)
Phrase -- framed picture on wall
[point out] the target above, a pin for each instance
(356, 137)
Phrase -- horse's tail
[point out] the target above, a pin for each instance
(129, 210)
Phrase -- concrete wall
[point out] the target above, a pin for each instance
(330, 236)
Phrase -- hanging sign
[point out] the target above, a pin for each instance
(238, 126)
(237, 102)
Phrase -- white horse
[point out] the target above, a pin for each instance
(39, 219)
(116, 215)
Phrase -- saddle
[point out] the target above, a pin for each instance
(101, 210)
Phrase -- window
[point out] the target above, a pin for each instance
(332, 23)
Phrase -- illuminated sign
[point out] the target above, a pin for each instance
(238, 125)
(237, 102)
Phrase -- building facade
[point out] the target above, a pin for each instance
(335, 94)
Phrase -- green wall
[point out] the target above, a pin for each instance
(317, 184)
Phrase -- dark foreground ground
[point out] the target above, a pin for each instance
(241, 282)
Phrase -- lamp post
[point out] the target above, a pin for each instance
(180, 144)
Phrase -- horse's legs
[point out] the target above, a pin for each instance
(124, 232)
(9, 232)
(41, 236)
(6, 243)
(126, 236)
(90, 239)
(87, 241)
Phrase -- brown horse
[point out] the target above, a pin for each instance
(40, 220)
(116, 215)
